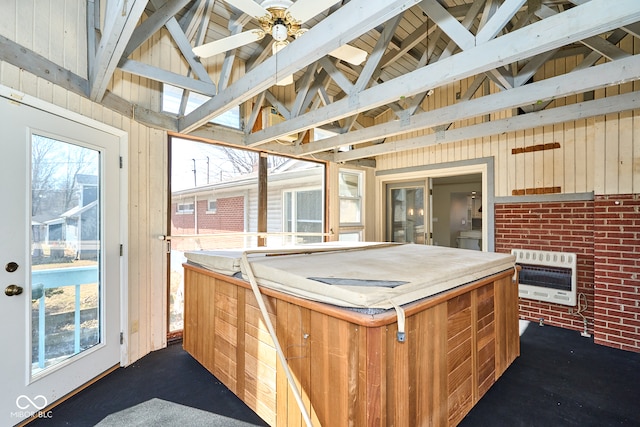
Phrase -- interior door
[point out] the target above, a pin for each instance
(406, 213)
(59, 258)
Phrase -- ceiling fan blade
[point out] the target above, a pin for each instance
(219, 46)
(303, 10)
(350, 54)
(249, 7)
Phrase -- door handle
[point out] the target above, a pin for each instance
(12, 290)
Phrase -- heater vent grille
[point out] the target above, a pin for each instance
(547, 276)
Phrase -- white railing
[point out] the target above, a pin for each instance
(57, 278)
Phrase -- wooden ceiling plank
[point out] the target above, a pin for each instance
(570, 26)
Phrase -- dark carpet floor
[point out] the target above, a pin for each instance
(563, 379)
(560, 379)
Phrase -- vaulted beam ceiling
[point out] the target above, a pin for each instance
(413, 47)
(578, 23)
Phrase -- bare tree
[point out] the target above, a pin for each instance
(77, 163)
(42, 173)
(242, 161)
(55, 166)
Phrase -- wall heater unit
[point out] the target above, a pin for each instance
(547, 276)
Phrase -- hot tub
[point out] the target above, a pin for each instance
(339, 334)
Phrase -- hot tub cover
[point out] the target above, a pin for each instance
(414, 271)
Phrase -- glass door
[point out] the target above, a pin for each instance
(60, 258)
(406, 213)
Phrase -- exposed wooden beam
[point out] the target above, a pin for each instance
(214, 132)
(302, 88)
(279, 106)
(118, 30)
(336, 75)
(255, 111)
(560, 86)
(36, 64)
(578, 23)
(164, 76)
(197, 16)
(185, 47)
(408, 43)
(450, 25)
(151, 25)
(323, 38)
(567, 113)
(499, 20)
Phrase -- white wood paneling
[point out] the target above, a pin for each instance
(600, 154)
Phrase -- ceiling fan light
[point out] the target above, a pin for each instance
(279, 32)
(278, 46)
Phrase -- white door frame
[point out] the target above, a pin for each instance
(123, 138)
(482, 166)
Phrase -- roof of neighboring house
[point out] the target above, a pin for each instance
(78, 210)
(300, 173)
(83, 179)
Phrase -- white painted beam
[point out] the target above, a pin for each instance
(498, 21)
(450, 25)
(152, 24)
(323, 38)
(597, 77)
(584, 21)
(154, 73)
(582, 110)
(116, 35)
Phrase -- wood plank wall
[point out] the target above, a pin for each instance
(56, 30)
(600, 154)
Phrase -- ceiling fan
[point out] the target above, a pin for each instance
(282, 19)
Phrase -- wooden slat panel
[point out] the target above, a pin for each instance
(359, 375)
(459, 357)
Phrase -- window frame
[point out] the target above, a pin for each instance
(215, 209)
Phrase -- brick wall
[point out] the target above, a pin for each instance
(617, 271)
(182, 223)
(229, 216)
(558, 227)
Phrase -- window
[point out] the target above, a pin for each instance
(303, 214)
(172, 97)
(212, 206)
(185, 208)
(350, 193)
